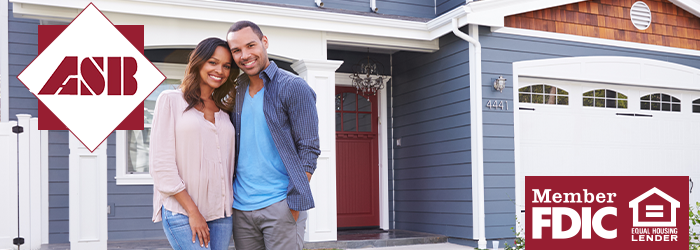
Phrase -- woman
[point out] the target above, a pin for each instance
(192, 151)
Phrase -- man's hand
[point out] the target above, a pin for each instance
(295, 213)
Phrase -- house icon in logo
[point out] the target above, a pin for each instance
(654, 210)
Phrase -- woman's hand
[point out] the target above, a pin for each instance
(197, 222)
(199, 228)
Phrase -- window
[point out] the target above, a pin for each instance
(133, 145)
(353, 113)
(660, 102)
(138, 140)
(696, 106)
(543, 94)
(604, 98)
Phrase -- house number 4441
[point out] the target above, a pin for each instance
(502, 105)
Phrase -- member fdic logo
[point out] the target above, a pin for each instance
(91, 77)
(612, 212)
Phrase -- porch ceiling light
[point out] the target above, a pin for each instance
(499, 84)
(367, 77)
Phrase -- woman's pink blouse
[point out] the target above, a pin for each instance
(187, 152)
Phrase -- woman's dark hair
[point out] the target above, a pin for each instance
(224, 96)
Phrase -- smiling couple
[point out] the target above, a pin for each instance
(234, 154)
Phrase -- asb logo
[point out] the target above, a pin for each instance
(618, 212)
(91, 77)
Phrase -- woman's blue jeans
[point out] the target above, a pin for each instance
(177, 229)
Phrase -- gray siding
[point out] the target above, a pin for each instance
(22, 49)
(444, 6)
(498, 54)
(58, 186)
(432, 167)
(131, 216)
(411, 8)
(133, 205)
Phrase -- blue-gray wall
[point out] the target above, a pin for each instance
(444, 6)
(132, 205)
(498, 54)
(22, 50)
(58, 186)
(410, 8)
(432, 170)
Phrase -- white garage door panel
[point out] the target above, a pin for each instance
(585, 141)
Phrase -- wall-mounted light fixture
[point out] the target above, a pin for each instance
(499, 84)
(319, 3)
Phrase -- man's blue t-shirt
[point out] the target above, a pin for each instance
(261, 178)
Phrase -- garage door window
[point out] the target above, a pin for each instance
(696, 106)
(660, 102)
(543, 94)
(604, 98)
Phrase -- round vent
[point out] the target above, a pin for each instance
(641, 15)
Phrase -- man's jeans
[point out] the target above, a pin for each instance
(177, 229)
(271, 228)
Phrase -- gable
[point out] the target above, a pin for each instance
(610, 19)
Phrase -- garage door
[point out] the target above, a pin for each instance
(590, 129)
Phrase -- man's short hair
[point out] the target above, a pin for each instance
(244, 24)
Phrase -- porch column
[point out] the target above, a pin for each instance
(322, 224)
(87, 185)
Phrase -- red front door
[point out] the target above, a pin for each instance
(357, 163)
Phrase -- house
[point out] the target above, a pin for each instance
(592, 87)
(657, 210)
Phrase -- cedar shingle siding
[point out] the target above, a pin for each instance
(610, 19)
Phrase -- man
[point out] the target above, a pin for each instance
(277, 147)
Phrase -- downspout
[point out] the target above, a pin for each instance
(477, 140)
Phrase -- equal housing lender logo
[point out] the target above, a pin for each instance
(606, 212)
(91, 77)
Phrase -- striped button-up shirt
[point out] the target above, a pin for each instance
(290, 110)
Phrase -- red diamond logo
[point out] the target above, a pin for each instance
(91, 77)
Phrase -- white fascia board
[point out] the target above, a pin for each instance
(389, 43)
(492, 13)
(230, 12)
(595, 40)
(442, 25)
(692, 6)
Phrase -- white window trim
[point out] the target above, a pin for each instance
(171, 71)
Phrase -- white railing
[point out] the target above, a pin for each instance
(32, 146)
